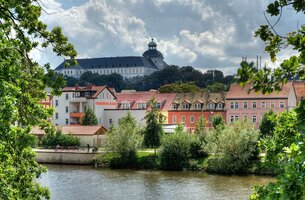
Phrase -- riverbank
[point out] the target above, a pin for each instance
(76, 157)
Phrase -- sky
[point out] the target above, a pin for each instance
(205, 34)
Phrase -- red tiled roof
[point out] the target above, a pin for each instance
(139, 97)
(299, 88)
(237, 91)
(96, 89)
(83, 130)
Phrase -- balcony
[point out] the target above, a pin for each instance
(78, 99)
(77, 114)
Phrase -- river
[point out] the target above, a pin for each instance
(85, 182)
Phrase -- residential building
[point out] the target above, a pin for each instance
(243, 104)
(299, 88)
(137, 104)
(69, 108)
(187, 108)
(128, 66)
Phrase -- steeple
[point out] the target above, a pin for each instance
(152, 44)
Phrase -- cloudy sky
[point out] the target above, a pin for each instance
(205, 34)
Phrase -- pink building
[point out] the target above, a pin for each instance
(241, 104)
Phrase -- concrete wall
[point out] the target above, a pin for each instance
(75, 157)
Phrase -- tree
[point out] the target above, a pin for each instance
(153, 131)
(179, 88)
(268, 123)
(200, 129)
(22, 84)
(89, 119)
(218, 122)
(291, 180)
(124, 141)
(216, 87)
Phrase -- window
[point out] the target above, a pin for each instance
(175, 106)
(67, 121)
(141, 105)
(233, 118)
(77, 94)
(254, 104)
(197, 106)
(110, 121)
(281, 104)
(236, 118)
(254, 120)
(185, 106)
(192, 118)
(67, 109)
(271, 104)
(158, 105)
(56, 115)
(236, 105)
(211, 105)
(245, 117)
(219, 105)
(263, 104)
(87, 94)
(73, 95)
(245, 104)
(232, 104)
(56, 102)
(67, 96)
(126, 105)
(174, 119)
(183, 119)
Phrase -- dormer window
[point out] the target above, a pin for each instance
(211, 106)
(185, 106)
(174, 106)
(141, 105)
(158, 105)
(220, 106)
(197, 106)
(126, 105)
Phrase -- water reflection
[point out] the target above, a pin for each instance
(84, 182)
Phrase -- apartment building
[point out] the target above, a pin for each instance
(187, 108)
(69, 108)
(241, 103)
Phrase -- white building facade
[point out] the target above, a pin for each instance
(127, 66)
(70, 107)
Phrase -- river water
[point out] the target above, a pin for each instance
(85, 182)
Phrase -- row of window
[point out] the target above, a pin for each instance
(139, 105)
(197, 106)
(108, 71)
(183, 119)
(234, 118)
(235, 105)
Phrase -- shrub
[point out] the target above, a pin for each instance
(52, 139)
(175, 151)
(232, 148)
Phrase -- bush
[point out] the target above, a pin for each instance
(148, 160)
(232, 148)
(175, 151)
(52, 139)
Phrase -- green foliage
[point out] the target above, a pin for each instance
(89, 119)
(51, 139)
(124, 141)
(232, 147)
(179, 88)
(216, 87)
(218, 122)
(147, 160)
(153, 131)
(22, 84)
(200, 129)
(175, 151)
(268, 123)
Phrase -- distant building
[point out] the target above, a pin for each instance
(137, 104)
(69, 108)
(244, 105)
(299, 88)
(127, 66)
(187, 108)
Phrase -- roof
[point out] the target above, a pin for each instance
(83, 130)
(198, 97)
(152, 53)
(89, 88)
(238, 92)
(140, 97)
(299, 88)
(110, 62)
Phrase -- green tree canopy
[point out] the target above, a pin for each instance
(153, 131)
(89, 119)
(22, 84)
(179, 88)
(268, 123)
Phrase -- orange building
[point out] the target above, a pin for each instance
(188, 107)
